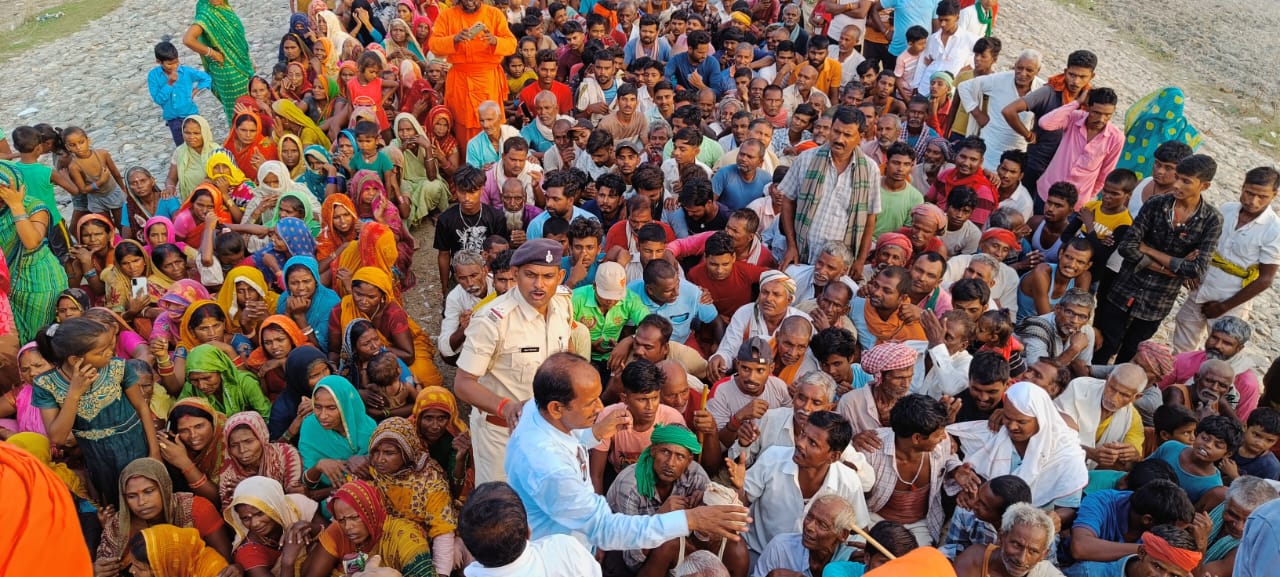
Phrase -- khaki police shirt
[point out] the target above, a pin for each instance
(508, 340)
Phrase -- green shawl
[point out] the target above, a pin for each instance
(224, 32)
(240, 389)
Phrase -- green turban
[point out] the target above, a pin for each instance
(646, 482)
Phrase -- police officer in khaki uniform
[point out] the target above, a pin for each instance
(507, 340)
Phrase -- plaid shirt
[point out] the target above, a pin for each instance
(831, 205)
(966, 529)
(625, 499)
(1150, 295)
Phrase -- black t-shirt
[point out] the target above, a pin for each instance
(719, 222)
(455, 232)
(969, 410)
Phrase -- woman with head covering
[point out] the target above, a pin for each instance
(1155, 119)
(217, 35)
(38, 445)
(147, 499)
(281, 537)
(446, 437)
(294, 46)
(401, 544)
(174, 304)
(247, 299)
(206, 202)
(35, 276)
(304, 368)
(421, 178)
(248, 144)
(380, 303)
(168, 551)
(400, 38)
(261, 95)
(96, 237)
(187, 167)
(412, 485)
(319, 164)
(326, 55)
(377, 248)
(26, 416)
(193, 447)
(361, 342)
(274, 184)
(38, 521)
(250, 452)
(290, 148)
(444, 146)
(278, 335)
(132, 263)
(206, 322)
(72, 303)
(294, 121)
(1034, 443)
(337, 429)
(160, 230)
(144, 200)
(307, 301)
(222, 172)
(339, 227)
(214, 377)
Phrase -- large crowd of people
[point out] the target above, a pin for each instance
(731, 288)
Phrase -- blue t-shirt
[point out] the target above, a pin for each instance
(680, 312)
(1266, 466)
(908, 13)
(566, 263)
(1106, 513)
(736, 193)
(1195, 485)
(534, 230)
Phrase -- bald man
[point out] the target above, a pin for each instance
(802, 91)
(791, 349)
(1109, 425)
(485, 148)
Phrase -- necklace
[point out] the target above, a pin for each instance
(912, 483)
(465, 224)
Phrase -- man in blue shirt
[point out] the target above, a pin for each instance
(1109, 523)
(561, 190)
(693, 69)
(908, 13)
(736, 186)
(547, 466)
(666, 294)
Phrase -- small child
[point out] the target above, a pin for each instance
(1172, 423)
(40, 179)
(995, 333)
(961, 236)
(518, 75)
(1217, 438)
(173, 88)
(1104, 220)
(369, 156)
(155, 397)
(917, 40)
(1261, 433)
(95, 174)
(396, 393)
(366, 89)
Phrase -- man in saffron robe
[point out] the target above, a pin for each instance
(473, 37)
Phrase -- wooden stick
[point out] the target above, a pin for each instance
(873, 542)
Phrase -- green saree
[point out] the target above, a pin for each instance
(224, 32)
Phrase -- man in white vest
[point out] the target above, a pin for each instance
(1109, 425)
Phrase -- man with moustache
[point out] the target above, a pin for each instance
(474, 284)
(985, 98)
(834, 259)
(892, 367)
(1042, 143)
(474, 38)
(1226, 341)
(749, 393)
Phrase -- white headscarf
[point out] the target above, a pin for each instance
(1053, 464)
(265, 494)
(337, 34)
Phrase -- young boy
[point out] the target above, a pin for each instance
(685, 148)
(961, 236)
(40, 179)
(905, 71)
(173, 88)
(1106, 220)
(1164, 173)
(370, 157)
(1261, 433)
(1173, 423)
(641, 398)
(1217, 437)
(584, 255)
(838, 356)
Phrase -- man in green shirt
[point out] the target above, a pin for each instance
(608, 310)
(897, 194)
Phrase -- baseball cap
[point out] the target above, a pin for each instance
(611, 281)
(755, 350)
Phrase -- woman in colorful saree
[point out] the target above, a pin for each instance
(445, 434)
(132, 263)
(147, 499)
(377, 248)
(273, 528)
(1154, 120)
(278, 336)
(187, 167)
(35, 277)
(307, 301)
(361, 526)
(422, 180)
(412, 485)
(144, 200)
(192, 447)
(168, 551)
(248, 144)
(205, 202)
(250, 453)
(339, 227)
(303, 369)
(217, 35)
(214, 377)
(373, 297)
(247, 299)
(92, 255)
(337, 430)
(294, 121)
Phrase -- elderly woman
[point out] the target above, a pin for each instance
(423, 180)
(758, 319)
(337, 430)
(1026, 534)
(251, 453)
(374, 297)
(215, 377)
(447, 439)
(412, 485)
(273, 529)
(361, 526)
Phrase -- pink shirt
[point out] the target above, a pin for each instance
(626, 445)
(1185, 366)
(1082, 162)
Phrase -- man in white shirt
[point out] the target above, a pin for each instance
(474, 284)
(822, 540)
(496, 530)
(1249, 246)
(984, 266)
(999, 90)
(834, 258)
(786, 481)
(758, 319)
(949, 49)
(749, 393)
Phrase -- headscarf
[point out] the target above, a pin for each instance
(186, 333)
(366, 499)
(38, 445)
(329, 239)
(931, 213)
(1154, 120)
(337, 33)
(78, 297)
(110, 257)
(1053, 463)
(375, 248)
(154, 471)
(296, 386)
(330, 62)
(279, 460)
(417, 492)
(300, 92)
(347, 360)
(119, 285)
(1004, 235)
(366, 36)
(38, 520)
(919, 562)
(195, 232)
(374, 276)
(222, 157)
(315, 181)
(411, 43)
(440, 399)
(448, 143)
(296, 172)
(646, 481)
(192, 165)
(895, 239)
(174, 305)
(322, 302)
(259, 144)
(1155, 356)
(381, 208)
(176, 552)
(308, 131)
(208, 461)
(297, 235)
(287, 184)
(300, 25)
(887, 357)
(171, 236)
(28, 416)
(252, 277)
(316, 442)
(284, 323)
(943, 144)
(1161, 550)
(267, 495)
(788, 284)
(211, 359)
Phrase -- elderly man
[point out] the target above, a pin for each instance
(831, 308)
(782, 484)
(1227, 338)
(566, 150)
(548, 458)
(505, 342)
(791, 356)
(977, 526)
(984, 95)
(1110, 522)
(759, 319)
(539, 132)
(474, 284)
(996, 243)
(1026, 533)
(928, 222)
(1166, 551)
(832, 193)
(833, 261)
(821, 540)
(665, 477)
(1109, 425)
(1063, 335)
(474, 38)
(949, 356)
(1244, 496)
(1208, 393)
(879, 317)
(749, 393)
(891, 366)
(482, 148)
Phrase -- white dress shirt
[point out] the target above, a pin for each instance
(999, 90)
(777, 506)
